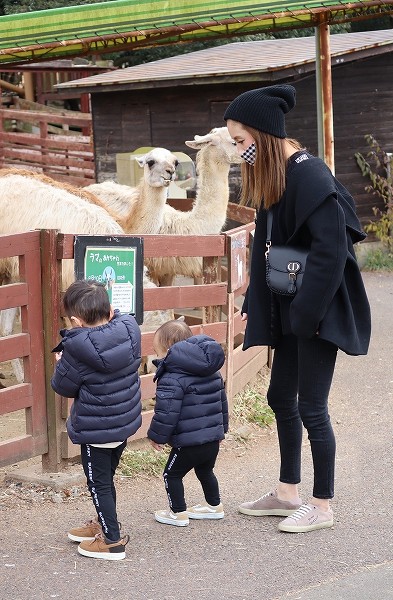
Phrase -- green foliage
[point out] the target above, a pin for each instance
(11, 7)
(309, 31)
(143, 462)
(380, 173)
(383, 22)
(250, 406)
(378, 260)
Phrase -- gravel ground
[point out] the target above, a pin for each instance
(240, 557)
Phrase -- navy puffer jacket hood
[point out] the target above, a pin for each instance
(198, 355)
(99, 368)
(191, 404)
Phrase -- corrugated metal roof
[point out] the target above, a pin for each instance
(235, 59)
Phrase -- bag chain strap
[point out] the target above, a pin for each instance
(269, 225)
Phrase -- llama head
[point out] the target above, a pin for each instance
(159, 167)
(220, 143)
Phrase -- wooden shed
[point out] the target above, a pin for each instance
(165, 102)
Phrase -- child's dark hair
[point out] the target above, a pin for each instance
(171, 332)
(87, 300)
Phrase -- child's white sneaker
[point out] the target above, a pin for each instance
(206, 511)
(168, 517)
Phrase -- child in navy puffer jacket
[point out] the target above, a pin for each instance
(191, 414)
(98, 362)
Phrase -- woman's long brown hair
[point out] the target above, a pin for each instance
(263, 184)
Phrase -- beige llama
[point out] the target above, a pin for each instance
(216, 152)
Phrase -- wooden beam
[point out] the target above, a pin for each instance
(323, 71)
(52, 461)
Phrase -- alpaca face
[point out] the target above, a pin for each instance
(159, 167)
(220, 142)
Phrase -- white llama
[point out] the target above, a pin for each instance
(31, 201)
(216, 152)
(142, 211)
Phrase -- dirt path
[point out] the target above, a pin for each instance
(238, 558)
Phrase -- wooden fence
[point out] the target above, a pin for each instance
(38, 143)
(225, 268)
(28, 396)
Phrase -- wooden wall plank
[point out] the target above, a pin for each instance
(32, 140)
(183, 245)
(15, 398)
(162, 245)
(242, 358)
(21, 448)
(250, 369)
(14, 346)
(13, 294)
(15, 244)
(184, 296)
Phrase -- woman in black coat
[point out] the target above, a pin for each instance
(330, 311)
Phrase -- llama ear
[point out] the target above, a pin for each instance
(192, 144)
(200, 140)
(141, 160)
(181, 318)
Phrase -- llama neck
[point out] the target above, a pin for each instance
(147, 212)
(211, 202)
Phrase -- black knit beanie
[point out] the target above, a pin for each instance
(263, 108)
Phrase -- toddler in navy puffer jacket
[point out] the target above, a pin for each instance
(97, 365)
(191, 414)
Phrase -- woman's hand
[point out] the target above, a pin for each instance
(244, 317)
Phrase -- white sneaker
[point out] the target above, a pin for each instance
(170, 518)
(307, 518)
(206, 511)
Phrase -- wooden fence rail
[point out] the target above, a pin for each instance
(68, 158)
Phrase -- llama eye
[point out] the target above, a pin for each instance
(150, 163)
(176, 163)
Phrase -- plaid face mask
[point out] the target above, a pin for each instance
(249, 155)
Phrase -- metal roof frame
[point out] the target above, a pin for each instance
(129, 24)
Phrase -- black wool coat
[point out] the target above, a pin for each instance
(317, 213)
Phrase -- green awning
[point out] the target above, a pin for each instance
(114, 26)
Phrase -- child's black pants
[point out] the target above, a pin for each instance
(99, 465)
(181, 460)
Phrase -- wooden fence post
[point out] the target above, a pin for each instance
(236, 245)
(211, 274)
(51, 277)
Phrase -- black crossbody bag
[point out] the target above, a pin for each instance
(285, 265)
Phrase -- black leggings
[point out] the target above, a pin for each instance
(301, 378)
(99, 465)
(181, 460)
